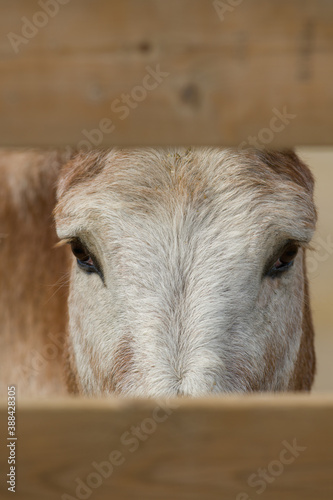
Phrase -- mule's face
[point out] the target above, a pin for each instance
(187, 279)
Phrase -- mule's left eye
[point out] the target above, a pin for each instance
(83, 257)
(286, 260)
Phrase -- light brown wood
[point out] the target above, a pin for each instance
(227, 72)
(203, 450)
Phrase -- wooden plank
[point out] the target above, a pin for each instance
(232, 71)
(231, 447)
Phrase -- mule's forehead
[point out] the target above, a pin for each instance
(215, 184)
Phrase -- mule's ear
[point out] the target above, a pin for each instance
(288, 164)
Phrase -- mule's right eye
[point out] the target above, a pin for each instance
(83, 257)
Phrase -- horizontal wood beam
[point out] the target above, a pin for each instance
(230, 447)
(153, 72)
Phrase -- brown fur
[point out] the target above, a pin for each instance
(33, 301)
(289, 166)
(305, 368)
(123, 365)
(83, 167)
(70, 372)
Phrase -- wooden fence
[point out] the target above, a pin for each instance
(236, 448)
(159, 72)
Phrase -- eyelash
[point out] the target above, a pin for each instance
(285, 260)
(88, 263)
(85, 259)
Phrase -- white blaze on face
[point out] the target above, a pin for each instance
(183, 239)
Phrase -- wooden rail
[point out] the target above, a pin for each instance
(159, 72)
(277, 447)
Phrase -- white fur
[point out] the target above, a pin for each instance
(183, 237)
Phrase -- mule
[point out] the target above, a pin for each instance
(188, 274)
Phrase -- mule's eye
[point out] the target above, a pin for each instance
(286, 260)
(84, 259)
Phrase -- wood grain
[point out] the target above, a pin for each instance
(227, 72)
(203, 450)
